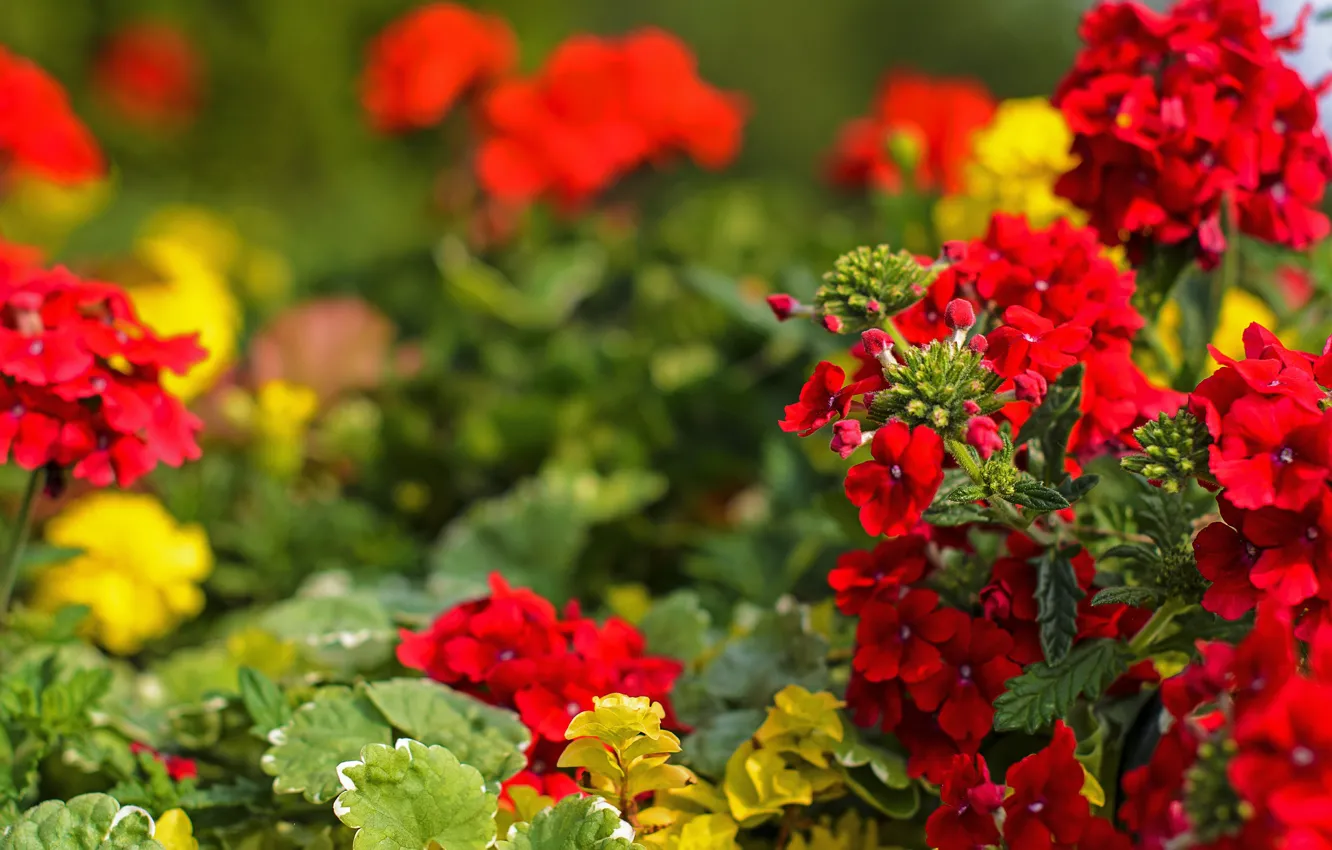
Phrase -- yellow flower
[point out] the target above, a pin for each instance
(1239, 309)
(175, 832)
(281, 420)
(849, 832)
(1015, 162)
(139, 570)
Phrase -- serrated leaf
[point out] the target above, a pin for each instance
(1136, 552)
(86, 822)
(1137, 597)
(323, 733)
(1046, 691)
(345, 632)
(574, 823)
(1030, 494)
(405, 797)
(966, 493)
(1051, 422)
(490, 739)
(1057, 596)
(1073, 489)
(948, 514)
(264, 701)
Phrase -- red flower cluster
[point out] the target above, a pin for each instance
(82, 384)
(1272, 454)
(936, 116)
(149, 73)
(177, 767)
(1062, 301)
(895, 488)
(512, 649)
(1175, 113)
(1043, 806)
(39, 133)
(1246, 711)
(599, 109)
(422, 63)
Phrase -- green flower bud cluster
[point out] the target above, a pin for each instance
(1174, 449)
(1211, 802)
(1177, 574)
(869, 284)
(940, 385)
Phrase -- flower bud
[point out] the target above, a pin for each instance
(876, 342)
(959, 315)
(847, 437)
(832, 323)
(1030, 386)
(983, 435)
(978, 344)
(783, 306)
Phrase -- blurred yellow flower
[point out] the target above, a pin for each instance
(1239, 309)
(139, 570)
(1015, 162)
(175, 832)
(282, 418)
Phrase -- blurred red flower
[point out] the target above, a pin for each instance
(423, 62)
(150, 73)
(937, 114)
(39, 132)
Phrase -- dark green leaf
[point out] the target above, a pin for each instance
(1046, 691)
(1057, 595)
(1074, 489)
(1031, 495)
(1051, 422)
(1137, 597)
(264, 701)
(1135, 552)
(966, 493)
(946, 514)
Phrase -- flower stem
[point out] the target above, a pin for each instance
(18, 539)
(1152, 630)
(899, 341)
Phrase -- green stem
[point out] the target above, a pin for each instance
(893, 331)
(1152, 630)
(18, 539)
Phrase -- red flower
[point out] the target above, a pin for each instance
(423, 62)
(940, 115)
(823, 399)
(894, 489)
(965, 821)
(1273, 451)
(974, 672)
(900, 638)
(1225, 559)
(150, 73)
(178, 768)
(930, 750)
(893, 565)
(1296, 549)
(39, 133)
(1029, 340)
(554, 784)
(875, 703)
(599, 109)
(1046, 804)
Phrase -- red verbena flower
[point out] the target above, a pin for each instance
(965, 821)
(894, 489)
(150, 73)
(1028, 340)
(897, 562)
(823, 398)
(901, 637)
(178, 768)
(975, 669)
(425, 61)
(39, 132)
(1046, 804)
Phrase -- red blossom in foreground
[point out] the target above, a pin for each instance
(177, 767)
(824, 398)
(1176, 114)
(599, 109)
(150, 73)
(966, 818)
(425, 61)
(1046, 804)
(894, 488)
(937, 115)
(83, 389)
(39, 132)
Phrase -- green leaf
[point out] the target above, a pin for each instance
(406, 796)
(781, 650)
(1057, 596)
(574, 823)
(1051, 422)
(877, 775)
(490, 739)
(1046, 691)
(677, 626)
(1137, 553)
(329, 730)
(1137, 597)
(1073, 489)
(948, 514)
(1030, 494)
(86, 822)
(264, 701)
(966, 493)
(708, 747)
(348, 632)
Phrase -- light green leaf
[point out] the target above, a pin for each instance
(877, 775)
(490, 739)
(323, 733)
(87, 822)
(406, 796)
(1137, 597)
(574, 823)
(264, 701)
(344, 632)
(677, 626)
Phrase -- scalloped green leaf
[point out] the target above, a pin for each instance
(323, 733)
(86, 822)
(411, 797)
(574, 823)
(490, 739)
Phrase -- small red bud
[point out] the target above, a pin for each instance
(954, 251)
(876, 342)
(833, 324)
(1030, 386)
(873, 306)
(983, 435)
(978, 344)
(959, 314)
(783, 306)
(847, 437)
(971, 407)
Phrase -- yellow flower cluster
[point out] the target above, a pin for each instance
(1015, 163)
(138, 571)
(1239, 309)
